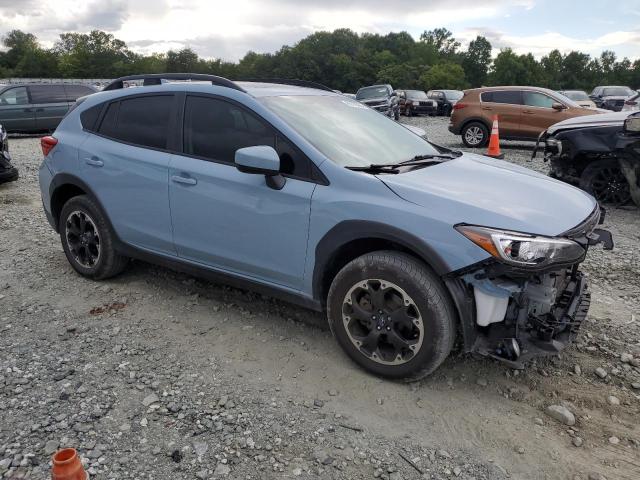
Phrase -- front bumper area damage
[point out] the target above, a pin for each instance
(514, 315)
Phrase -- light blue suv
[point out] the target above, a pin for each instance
(308, 195)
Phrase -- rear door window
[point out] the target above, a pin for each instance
(76, 91)
(511, 97)
(215, 129)
(14, 96)
(536, 99)
(142, 121)
(47, 94)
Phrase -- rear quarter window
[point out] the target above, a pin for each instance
(511, 97)
(89, 117)
(76, 91)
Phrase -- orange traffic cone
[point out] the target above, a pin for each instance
(67, 466)
(494, 141)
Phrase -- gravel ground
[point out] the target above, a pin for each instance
(160, 375)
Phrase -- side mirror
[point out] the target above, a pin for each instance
(261, 160)
(558, 106)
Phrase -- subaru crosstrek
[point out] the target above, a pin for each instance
(304, 194)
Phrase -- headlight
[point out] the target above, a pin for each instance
(554, 145)
(632, 125)
(521, 249)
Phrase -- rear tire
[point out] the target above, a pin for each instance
(398, 310)
(88, 241)
(605, 181)
(475, 135)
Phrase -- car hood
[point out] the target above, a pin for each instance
(615, 97)
(374, 100)
(601, 120)
(482, 191)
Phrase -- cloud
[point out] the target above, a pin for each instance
(541, 44)
(218, 29)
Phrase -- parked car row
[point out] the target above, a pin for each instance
(611, 97)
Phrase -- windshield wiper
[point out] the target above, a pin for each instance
(422, 160)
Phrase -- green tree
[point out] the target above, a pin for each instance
(185, 60)
(444, 75)
(18, 44)
(442, 40)
(96, 54)
(553, 68)
(477, 60)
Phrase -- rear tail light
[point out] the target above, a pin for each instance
(47, 143)
(459, 106)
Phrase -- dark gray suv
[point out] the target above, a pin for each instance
(30, 108)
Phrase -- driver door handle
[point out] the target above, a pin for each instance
(184, 180)
(94, 162)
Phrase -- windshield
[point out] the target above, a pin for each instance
(453, 94)
(617, 92)
(576, 95)
(416, 94)
(372, 92)
(347, 132)
(566, 100)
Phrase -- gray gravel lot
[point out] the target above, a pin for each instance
(159, 375)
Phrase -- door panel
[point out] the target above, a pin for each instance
(537, 114)
(49, 115)
(49, 103)
(15, 112)
(233, 221)
(132, 185)
(509, 117)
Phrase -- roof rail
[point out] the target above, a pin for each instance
(290, 81)
(156, 79)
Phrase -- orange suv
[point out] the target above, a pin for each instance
(524, 113)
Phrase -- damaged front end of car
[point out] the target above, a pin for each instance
(600, 156)
(8, 173)
(530, 298)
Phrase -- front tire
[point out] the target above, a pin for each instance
(605, 181)
(475, 135)
(87, 240)
(392, 315)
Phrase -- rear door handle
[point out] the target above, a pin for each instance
(94, 162)
(184, 180)
(486, 108)
(529, 112)
(39, 109)
(28, 110)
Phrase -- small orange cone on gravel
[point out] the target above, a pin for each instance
(494, 141)
(67, 466)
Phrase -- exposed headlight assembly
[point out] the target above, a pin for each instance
(522, 249)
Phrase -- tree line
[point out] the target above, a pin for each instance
(341, 59)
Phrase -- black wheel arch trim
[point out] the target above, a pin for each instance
(353, 230)
(474, 119)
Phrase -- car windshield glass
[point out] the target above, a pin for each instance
(566, 100)
(576, 95)
(453, 94)
(417, 94)
(372, 92)
(617, 92)
(347, 132)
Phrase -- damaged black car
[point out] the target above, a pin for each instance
(600, 154)
(8, 173)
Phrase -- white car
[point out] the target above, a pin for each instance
(632, 104)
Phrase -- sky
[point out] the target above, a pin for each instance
(227, 30)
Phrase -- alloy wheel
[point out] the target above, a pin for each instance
(382, 321)
(83, 239)
(474, 135)
(609, 185)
